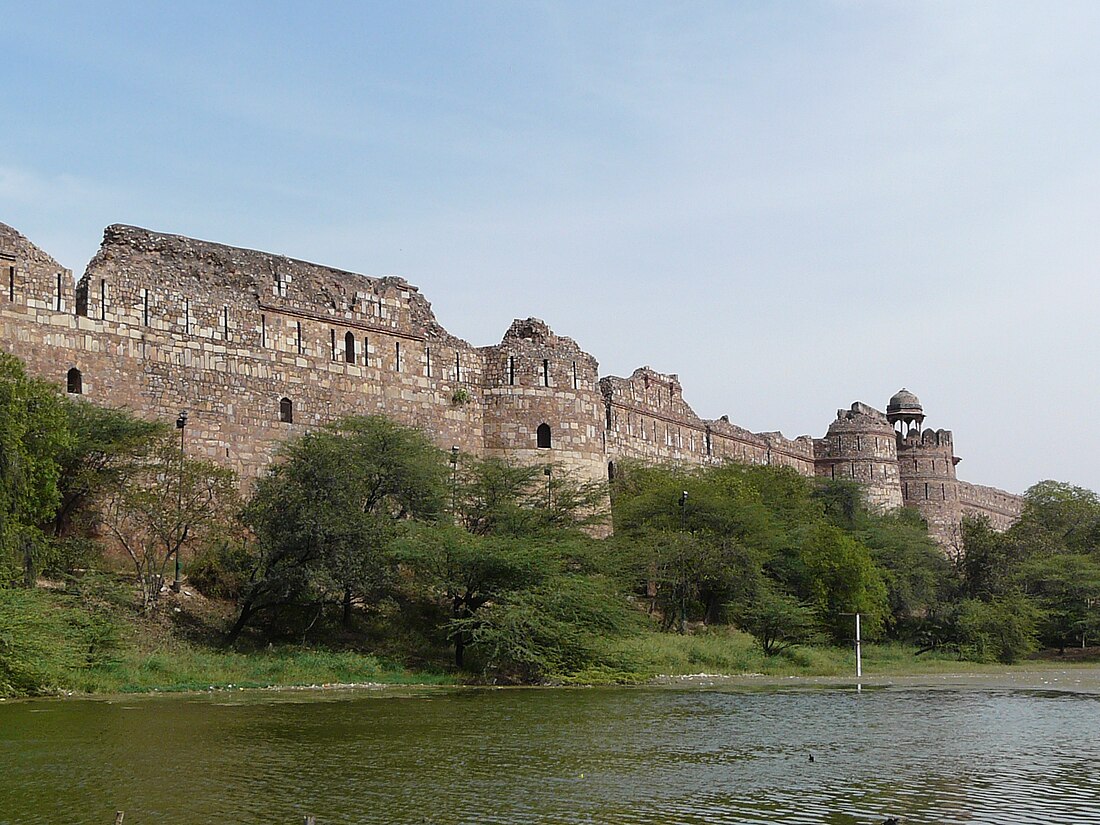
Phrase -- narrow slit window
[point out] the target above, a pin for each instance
(60, 298)
(11, 283)
(286, 411)
(511, 370)
(397, 354)
(458, 367)
(349, 348)
(74, 382)
(428, 361)
(145, 307)
(546, 372)
(366, 352)
(225, 323)
(574, 375)
(102, 299)
(926, 490)
(333, 336)
(186, 317)
(298, 325)
(263, 331)
(542, 437)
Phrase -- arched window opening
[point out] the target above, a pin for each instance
(74, 382)
(349, 348)
(286, 411)
(542, 435)
(611, 471)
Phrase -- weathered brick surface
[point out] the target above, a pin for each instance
(160, 323)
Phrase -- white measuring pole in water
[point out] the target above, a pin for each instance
(859, 652)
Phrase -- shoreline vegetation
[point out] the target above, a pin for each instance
(140, 662)
(365, 554)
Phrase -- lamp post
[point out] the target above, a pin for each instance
(181, 424)
(549, 471)
(454, 482)
(681, 576)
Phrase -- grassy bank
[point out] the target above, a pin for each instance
(725, 651)
(56, 642)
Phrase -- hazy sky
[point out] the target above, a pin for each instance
(792, 205)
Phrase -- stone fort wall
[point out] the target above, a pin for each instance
(260, 347)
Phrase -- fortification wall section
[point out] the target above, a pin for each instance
(927, 463)
(1002, 509)
(647, 419)
(860, 445)
(542, 402)
(179, 324)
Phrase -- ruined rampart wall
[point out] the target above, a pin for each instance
(1000, 508)
(647, 419)
(228, 334)
(259, 347)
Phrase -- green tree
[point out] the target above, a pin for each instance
(33, 433)
(839, 577)
(106, 448)
(1001, 629)
(777, 620)
(466, 571)
(325, 513)
(167, 505)
(1067, 589)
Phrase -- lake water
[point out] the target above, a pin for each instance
(720, 754)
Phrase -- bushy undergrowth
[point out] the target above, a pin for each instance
(48, 641)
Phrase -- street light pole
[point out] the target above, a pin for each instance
(454, 483)
(181, 424)
(680, 576)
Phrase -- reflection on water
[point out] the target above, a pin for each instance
(614, 755)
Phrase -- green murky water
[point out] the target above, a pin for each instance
(603, 755)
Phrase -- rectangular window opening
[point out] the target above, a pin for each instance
(11, 283)
(397, 354)
(458, 367)
(60, 298)
(545, 372)
(145, 307)
(299, 336)
(186, 317)
(428, 361)
(574, 375)
(263, 331)
(366, 352)
(102, 299)
(511, 370)
(333, 335)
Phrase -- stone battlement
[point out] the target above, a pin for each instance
(258, 347)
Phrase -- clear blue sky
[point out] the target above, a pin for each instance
(792, 205)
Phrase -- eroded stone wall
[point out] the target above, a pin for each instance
(259, 347)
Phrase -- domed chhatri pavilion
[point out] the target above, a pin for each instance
(259, 348)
